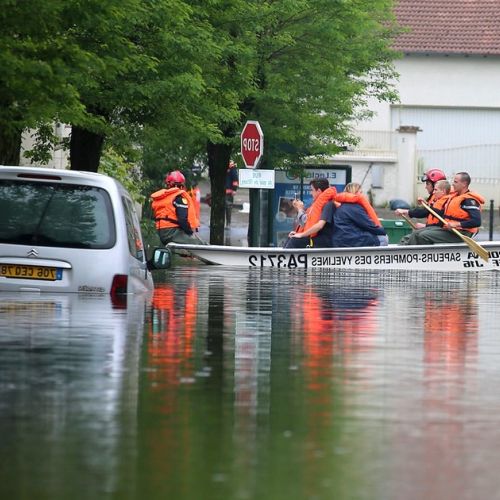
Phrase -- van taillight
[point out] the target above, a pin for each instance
(119, 284)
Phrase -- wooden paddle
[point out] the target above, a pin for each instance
(475, 247)
(407, 219)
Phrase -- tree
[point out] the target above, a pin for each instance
(36, 60)
(304, 69)
(150, 78)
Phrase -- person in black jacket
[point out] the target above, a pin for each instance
(231, 188)
(353, 227)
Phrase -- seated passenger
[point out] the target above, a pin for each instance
(315, 224)
(355, 223)
(440, 198)
(431, 178)
(462, 212)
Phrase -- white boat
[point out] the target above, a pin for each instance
(445, 258)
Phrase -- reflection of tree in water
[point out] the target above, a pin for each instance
(57, 213)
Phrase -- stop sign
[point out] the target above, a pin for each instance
(252, 144)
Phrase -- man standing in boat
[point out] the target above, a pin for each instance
(316, 223)
(462, 211)
(174, 211)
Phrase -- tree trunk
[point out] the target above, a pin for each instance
(85, 149)
(218, 160)
(10, 146)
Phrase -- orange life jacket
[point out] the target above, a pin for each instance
(314, 211)
(164, 210)
(362, 200)
(453, 211)
(195, 194)
(439, 205)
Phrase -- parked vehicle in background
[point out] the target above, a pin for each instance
(69, 231)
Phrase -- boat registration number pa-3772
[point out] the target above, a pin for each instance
(30, 272)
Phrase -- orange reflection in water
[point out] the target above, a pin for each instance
(450, 329)
(171, 333)
(335, 322)
(336, 326)
(450, 352)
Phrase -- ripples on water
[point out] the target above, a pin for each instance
(236, 383)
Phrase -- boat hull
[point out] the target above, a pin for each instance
(445, 258)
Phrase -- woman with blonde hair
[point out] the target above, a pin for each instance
(355, 222)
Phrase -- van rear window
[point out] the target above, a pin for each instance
(56, 215)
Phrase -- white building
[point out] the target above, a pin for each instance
(60, 156)
(449, 93)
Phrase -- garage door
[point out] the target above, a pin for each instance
(449, 127)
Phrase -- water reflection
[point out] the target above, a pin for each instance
(450, 355)
(68, 389)
(255, 384)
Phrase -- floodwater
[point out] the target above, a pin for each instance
(255, 384)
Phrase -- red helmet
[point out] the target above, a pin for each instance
(433, 175)
(175, 177)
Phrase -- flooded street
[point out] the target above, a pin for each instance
(253, 384)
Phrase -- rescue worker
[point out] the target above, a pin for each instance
(174, 211)
(430, 178)
(462, 211)
(316, 223)
(231, 185)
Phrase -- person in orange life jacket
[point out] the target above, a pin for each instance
(440, 197)
(195, 194)
(355, 223)
(231, 185)
(315, 224)
(462, 212)
(430, 178)
(442, 190)
(174, 211)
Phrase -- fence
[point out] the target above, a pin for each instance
(481, 161)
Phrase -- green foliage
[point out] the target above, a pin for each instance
(168, 77)
(117, 166)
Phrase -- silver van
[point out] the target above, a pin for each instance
(69, 231)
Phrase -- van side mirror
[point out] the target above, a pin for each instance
(161, 259)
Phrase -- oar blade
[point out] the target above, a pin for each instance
(476, 247)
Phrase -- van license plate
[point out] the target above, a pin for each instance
(30, 272)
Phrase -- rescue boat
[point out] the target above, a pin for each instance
(456, 257)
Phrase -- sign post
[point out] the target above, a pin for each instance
(252, 144)
(252, 149)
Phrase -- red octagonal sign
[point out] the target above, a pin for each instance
(252, 144)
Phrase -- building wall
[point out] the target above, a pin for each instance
(60, 156)
(454, 81)
(455, 103)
